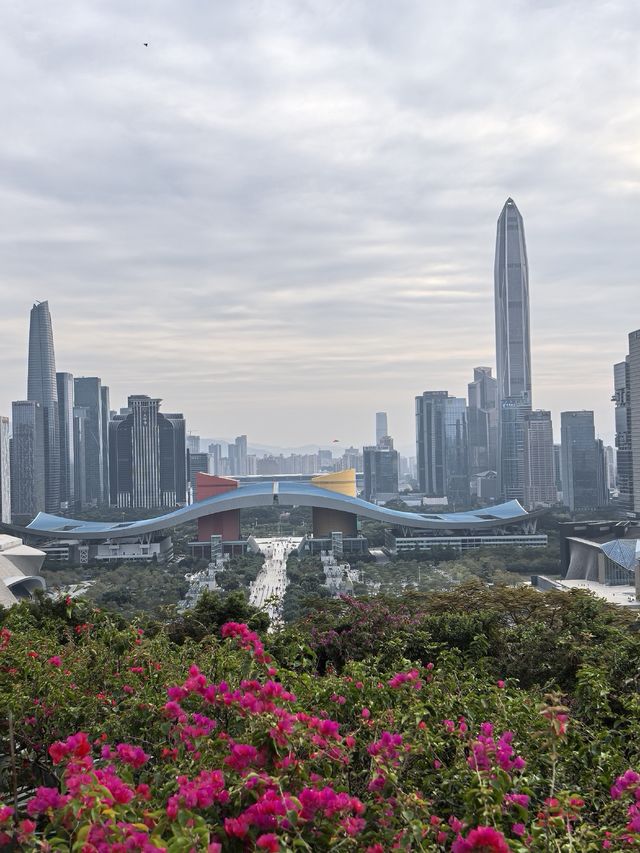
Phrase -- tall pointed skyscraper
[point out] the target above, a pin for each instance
(42, 388)
(513, 349)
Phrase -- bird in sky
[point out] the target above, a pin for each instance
(145, 43)
(336, 441)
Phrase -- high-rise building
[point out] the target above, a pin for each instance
(482, 420)
(88, 395)
(382, 427)
(5, 471)
(193, 443)
(582, 464)
(147, 451)
(513, 349)
(42, 388)
(624, 454)
(557, 469)
(539, 474)
(352, 458)
(513, 411)
(442, 447)
(215, 452)
(634, 404)
(197, 462)
(431, 442)
(106, 417)
(380, 472)
(64, 382)
(457, 451)
(603, 495)
(80, 418)
(27, 460)
(610, 458)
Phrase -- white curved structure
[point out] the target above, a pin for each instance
(19, 570)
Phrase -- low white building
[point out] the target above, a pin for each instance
(19, 570)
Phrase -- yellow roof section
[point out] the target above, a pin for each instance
(343, 482)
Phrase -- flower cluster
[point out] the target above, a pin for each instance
(487, 753)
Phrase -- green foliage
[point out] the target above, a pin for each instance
(306, 582)
(558, 671)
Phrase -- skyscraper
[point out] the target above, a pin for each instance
(513, 411)
(88, 395)
(431, 442)
(539, 473)
(27, 460)
(624, 448)
(513, 349)
(147, 456)
(457, 451)
(380, 472)
(441, 446)
(5, 471)
(80, 418)
(582, 463)
(482, 420)
(105, 415)
(511, 275)
(634, 405)
(193, 443)
(64, 382)
(382, 427)
(42, 388)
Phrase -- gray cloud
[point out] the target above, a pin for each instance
(288, 208)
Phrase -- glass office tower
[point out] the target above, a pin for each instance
(42, 388)
(513, 348)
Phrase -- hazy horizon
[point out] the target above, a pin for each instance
(280, 217)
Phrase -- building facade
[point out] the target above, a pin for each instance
(624, 454)
(456, 452)
(511, 482)
(431, 443)
(582, 465)
(105, 415)
(64, 382)
(442, 446)
(147, 452)
(634, 405)
(42, 388)
(5, 471)
(88, 395)
(513, 347)
(28, 496)
(382, 427)
(380, 472)
(482, 421)
(539, 471)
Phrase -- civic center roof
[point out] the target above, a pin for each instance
(282, 494)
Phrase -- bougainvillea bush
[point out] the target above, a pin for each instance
(115, 738)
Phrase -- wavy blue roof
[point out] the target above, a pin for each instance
(282, 494)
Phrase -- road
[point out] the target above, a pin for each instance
(267, 591)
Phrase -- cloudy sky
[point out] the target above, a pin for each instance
(280, 216)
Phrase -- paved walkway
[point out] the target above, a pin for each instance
(267, 591)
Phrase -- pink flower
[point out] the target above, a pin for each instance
(500, 684)
(483, 839)
(518, 829)
(135, 756)
(54, 660)
(365, 713)
(268, 841)
(5, 813)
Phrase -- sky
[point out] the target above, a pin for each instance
(280, 216)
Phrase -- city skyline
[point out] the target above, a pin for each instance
(312, 217)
